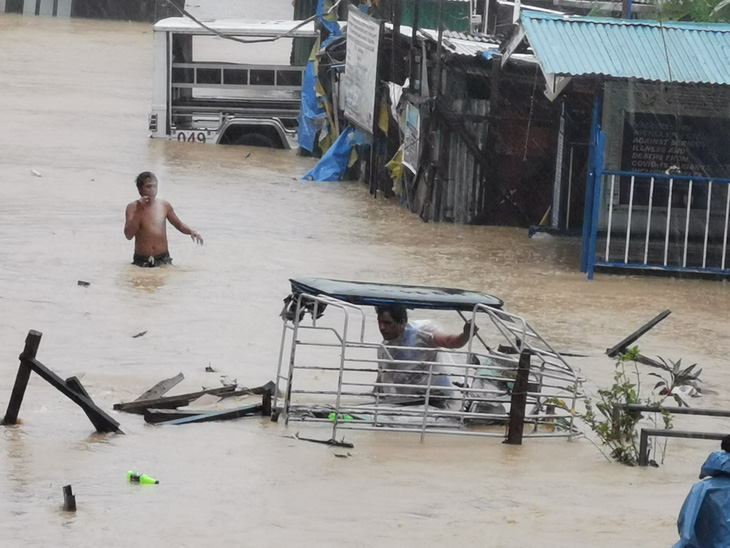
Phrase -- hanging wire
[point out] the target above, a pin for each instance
(288, 34)
(529, 120)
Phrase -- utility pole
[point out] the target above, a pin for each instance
(414, 32)
(439, 135)
(626, 9)
(396, 14)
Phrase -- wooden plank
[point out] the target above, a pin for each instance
(162, 388)
(32, 341)
(219, 415)
(75, 384)
(249, 391)
(156, 416)
(266, 403)
(169, 402)
(107, 423)
(631, 339)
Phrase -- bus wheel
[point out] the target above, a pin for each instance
(256, 140)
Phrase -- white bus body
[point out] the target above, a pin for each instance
(209, 89)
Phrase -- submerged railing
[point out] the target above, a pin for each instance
(664, 221)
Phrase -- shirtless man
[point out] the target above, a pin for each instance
(147, 223)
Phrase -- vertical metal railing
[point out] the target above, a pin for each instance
(628, 221)
(669, 220)
(610, 217)
(648, 221)
(686, 224)
(665, 213)
(707, 224)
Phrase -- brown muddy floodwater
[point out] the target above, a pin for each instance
(74, 101)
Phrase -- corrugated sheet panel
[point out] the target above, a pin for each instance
(647, 50)
(459, 43)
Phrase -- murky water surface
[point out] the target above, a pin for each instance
(74, 101)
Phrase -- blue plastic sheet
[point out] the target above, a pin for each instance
(332, 26)
(313, 114)
(704, 521)
(334, 162)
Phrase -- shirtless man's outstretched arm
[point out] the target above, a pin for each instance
(182, 227)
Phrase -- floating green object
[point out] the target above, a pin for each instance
(340, 417)
(144, 479)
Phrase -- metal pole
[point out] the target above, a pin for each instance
(414, 30)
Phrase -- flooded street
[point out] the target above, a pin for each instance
(74, 101)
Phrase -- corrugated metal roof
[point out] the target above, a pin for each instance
(459, 43)
(642, 49)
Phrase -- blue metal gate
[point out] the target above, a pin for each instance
(653, 221)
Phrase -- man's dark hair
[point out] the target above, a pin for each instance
(725, 444)
(142, 177)
(396, 311)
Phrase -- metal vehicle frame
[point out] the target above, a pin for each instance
(345, 393)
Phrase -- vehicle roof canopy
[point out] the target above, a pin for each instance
(410, 296)
(237, 27)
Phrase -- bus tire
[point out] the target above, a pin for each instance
(256, 140)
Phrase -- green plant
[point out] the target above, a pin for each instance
(610, 418)
(708, 11)
(677, 377)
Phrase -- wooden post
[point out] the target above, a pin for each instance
(21, 380)
(519, 401)
(266, 403)
(491, 17)
(69, 499)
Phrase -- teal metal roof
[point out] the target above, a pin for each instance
(642, 49)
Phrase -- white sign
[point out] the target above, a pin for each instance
(412, 138)
(361, 68)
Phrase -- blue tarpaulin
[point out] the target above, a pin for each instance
(333, 27)
(334, 162)
(704, 521)
(313, 114)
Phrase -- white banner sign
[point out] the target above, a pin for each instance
(361, 68)
(412, 138)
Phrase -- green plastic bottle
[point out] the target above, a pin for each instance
(340, 417)
(144, 479)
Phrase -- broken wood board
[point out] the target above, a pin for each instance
(631, 339)
(219, 415)
(270, 386)
(169, 402)
(74, 391)
(162, 388)
(156, 416)
(102, 422)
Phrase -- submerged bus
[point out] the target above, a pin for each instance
(230, 81)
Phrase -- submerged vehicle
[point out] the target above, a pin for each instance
(229, 81)
(330, 371)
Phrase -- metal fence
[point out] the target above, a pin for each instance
(662, 221)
